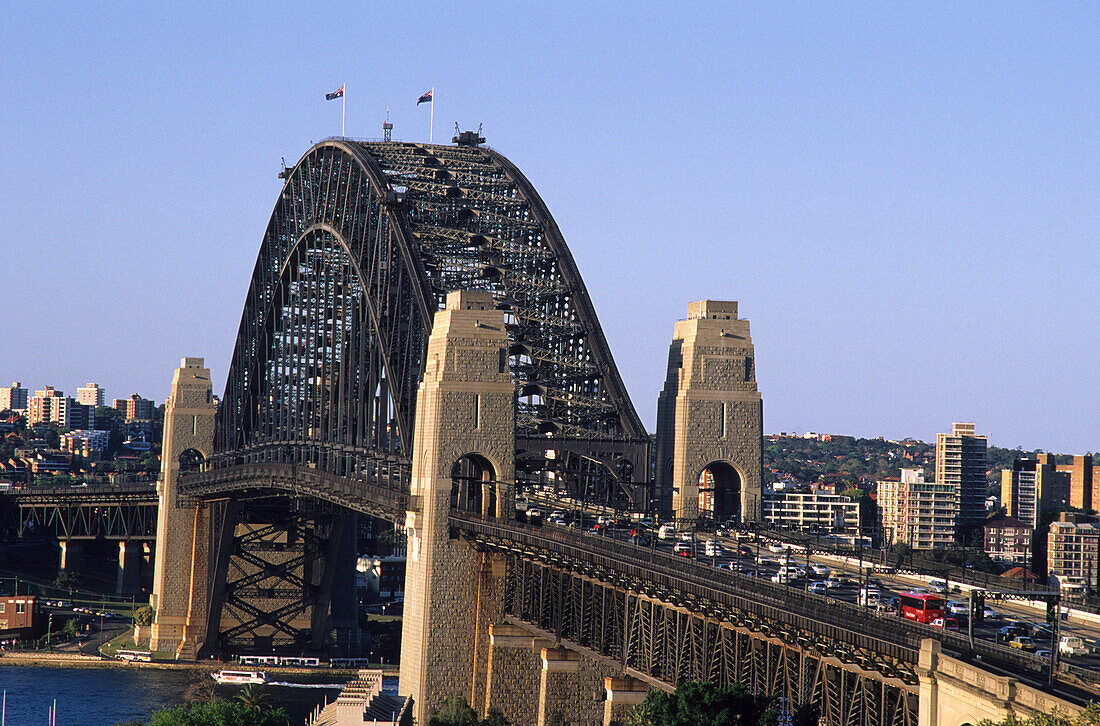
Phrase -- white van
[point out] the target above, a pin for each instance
(869, 597)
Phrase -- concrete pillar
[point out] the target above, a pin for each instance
(128, 577)
(72, 553)
(623, 694)
(464, 407)
(182, 562)
(710, 412)
(557, 692)
(514, 673)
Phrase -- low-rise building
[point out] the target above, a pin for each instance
(817, 511)
(1008, 541)
(91, 445)
(20, 617)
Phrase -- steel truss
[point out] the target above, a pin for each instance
(654, 639)
(123, 512)
(274, 572)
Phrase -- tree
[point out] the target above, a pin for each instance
(694, 703)
(219, 713)
(454, 711)
(143, 615)
(253, 697)
(1090, 716)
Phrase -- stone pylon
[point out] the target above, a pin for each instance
(710, 418)
(181, 564)
(463, 460)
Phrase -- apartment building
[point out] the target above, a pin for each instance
(14, 397)
(816, 511)
(961, 463)
(90, 445)
(1008, 541)
(916, 512)
(1073, 549)
(1032, 486)
(90, 394)
(135, 408)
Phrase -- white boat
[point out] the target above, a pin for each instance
(239, 678)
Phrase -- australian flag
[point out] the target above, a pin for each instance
(338, 93)
(426, 98)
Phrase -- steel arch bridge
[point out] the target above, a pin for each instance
(365, 241)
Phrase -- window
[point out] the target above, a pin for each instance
(20, 607)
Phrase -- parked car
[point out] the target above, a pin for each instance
(1023, 642)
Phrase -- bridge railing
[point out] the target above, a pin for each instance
(888, 635)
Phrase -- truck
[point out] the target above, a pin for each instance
(1071, 645)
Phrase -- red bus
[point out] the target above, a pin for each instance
(922, 607)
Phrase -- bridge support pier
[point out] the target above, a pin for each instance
(128, 578)
(463, 458)
(72, 552)
(514, 673)
(623, 694)
(180, 579)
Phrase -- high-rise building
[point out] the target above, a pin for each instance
(48, 405)
(915, 512)
(1008, 541)
(1084, 482)
(1032, 486)
(961, 463)
(14, 397)
(1073, 550)
(91, 395)
(135, 408)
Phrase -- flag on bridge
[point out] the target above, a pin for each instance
(338, 93)
(426, 98)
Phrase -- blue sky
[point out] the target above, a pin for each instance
(903, 198)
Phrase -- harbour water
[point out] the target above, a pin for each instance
(109, 696)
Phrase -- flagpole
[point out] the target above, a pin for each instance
(343, 108)
(431, 123)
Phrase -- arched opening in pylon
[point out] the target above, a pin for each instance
(191, 460)
(473, 485)
(719, 492)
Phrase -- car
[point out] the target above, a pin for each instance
(958, 608)
(990, 614)
(946, 623)
(937, 586)
(712, 548)
(745, 551)
(1043, 633)
(820, 569)
(1007, 633)
(817, 588)
(777, 548)
(831, 582)
(534, 513)
(682, 547)
(918, 590)
(667, 531)
(781, 578)
(1023, 642)
(1043, 654)
(891, 604)
(685, 536)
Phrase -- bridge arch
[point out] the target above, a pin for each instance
(474, 485)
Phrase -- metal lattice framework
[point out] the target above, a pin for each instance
(365, 241)
(121, 512)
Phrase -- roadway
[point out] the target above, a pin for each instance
(763, 557)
